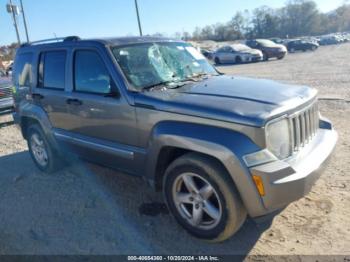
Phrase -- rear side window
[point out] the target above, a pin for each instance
(52, 68)
(90, 73)
(23, 70)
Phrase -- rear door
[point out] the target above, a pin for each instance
(49, 91)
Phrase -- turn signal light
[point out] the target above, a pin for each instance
(259, 185)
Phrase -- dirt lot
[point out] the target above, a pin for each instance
(90, 210)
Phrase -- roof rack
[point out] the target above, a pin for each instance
(53, 40)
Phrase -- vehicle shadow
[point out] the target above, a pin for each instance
(167, 237)
(88, 209)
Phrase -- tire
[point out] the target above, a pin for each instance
(49, 161)
(313, 48)
(265, 57)
(217, 61)
(224, 204)
(238, 60)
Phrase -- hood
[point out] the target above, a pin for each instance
(234, 99)
(276, 47)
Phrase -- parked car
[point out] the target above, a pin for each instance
(6, 97)
(329, 40)
(301, 45)
(207, 53)
(277, 40)
(268, 48)
(219, 147)
(237, 53)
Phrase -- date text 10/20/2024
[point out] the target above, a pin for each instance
(173, 258)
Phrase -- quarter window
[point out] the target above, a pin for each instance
(90, 73)
(52, 69)
(23, 70)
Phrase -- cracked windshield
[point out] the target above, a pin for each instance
(149, 65)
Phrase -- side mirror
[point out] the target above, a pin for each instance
(113, 94)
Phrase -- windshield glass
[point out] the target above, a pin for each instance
(149, 64)
(240, 47)
(267, 43)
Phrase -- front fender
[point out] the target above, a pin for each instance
(225, 145)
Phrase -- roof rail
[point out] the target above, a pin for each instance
(52, 40)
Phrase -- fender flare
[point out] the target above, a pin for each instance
(227, 146)
(38, 114)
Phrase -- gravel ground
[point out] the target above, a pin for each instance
(86, 209)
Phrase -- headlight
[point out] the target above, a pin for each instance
(278, 138)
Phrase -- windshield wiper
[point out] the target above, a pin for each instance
(167, 84)
(197, 77)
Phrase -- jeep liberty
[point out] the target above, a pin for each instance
(219, 147)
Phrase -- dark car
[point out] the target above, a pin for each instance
(301, 45)
(330, 40)
(219, 147)
(6, 97)
(268, 48)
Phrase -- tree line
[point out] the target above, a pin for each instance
(296, 18)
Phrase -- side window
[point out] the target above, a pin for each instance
(90, 73)
(23, 70)
(52, 70)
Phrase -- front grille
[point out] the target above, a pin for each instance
(5, 92)
(304, 125)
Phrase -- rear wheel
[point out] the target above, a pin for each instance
(202, 198)
(41, 151)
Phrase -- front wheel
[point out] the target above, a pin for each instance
(217, 61)
(41, 150)
(203, 198)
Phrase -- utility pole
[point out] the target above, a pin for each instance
(11, 9)
(24, 21)
(138, 17)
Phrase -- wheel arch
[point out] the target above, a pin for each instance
(33, 114)
(171, 140)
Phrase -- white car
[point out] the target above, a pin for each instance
(237, 53)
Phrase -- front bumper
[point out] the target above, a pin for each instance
(277, 54)
(255, 58)
(288, 180)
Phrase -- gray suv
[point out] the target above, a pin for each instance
(219, 147)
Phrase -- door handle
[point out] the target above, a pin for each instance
(73, 101)
(37, 96)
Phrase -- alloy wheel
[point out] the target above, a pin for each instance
(39, 151)
(197, 201)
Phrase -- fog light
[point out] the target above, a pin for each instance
(259, 185)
